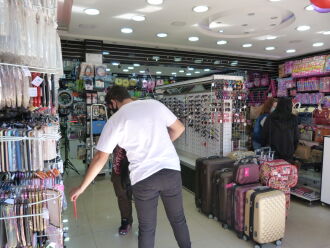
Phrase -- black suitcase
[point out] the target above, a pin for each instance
(205, 168)
(221, 178)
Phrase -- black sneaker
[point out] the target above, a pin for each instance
(125, 227)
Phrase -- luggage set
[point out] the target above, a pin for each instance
(231, 193)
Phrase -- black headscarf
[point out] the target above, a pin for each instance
(283, 111)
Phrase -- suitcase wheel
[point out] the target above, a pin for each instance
(225, 226)
(257, 246)
(215, 218)
(278, 242)
(245, 238)
(210, 216)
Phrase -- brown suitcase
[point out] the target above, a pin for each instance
(265, 215)
(205, 167)
(221, 178)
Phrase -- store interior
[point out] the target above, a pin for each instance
(58, 58)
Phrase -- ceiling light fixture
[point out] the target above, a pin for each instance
(177, 59)
(162, 35)
(326, 32)
(108, 69)
(197, 72)
(206, 69)
(221, 31)
(130, 68)
(158, 72)
(291, 51)
(188, 74)
(222, 42)
(274, 0)
(270, 48)
(115, 63)
(309, 8)
(139, 18)
(92, 11)
(173, 73)
(190, 69)
(247, 45)
(193, 39)
(271, 37)
(303, 28)
(142, 71)
(127, 30)
(200, 9)
(155, 2)
(318, 44)
(136, 65)
(181, 71)
(105, 53)
(125, 70)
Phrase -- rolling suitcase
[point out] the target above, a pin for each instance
(205, 167)
(221, 179)
(265, 216)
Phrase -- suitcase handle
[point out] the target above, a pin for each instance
(246, 160)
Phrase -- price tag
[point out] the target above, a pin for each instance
(26, 72)
(37, 81)
(33, 92)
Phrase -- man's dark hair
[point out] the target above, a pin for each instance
(118, 93)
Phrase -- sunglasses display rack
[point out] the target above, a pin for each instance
(214, 119)
(31, 185)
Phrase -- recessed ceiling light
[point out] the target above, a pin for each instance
(318, 44)
(206, 69)
(221, 31)
(130, 67)
(92, 11)
(162, 35)
(193, 39)
(303, 28)
(158, 72)
(125, 70)
(326, 32)
(115, 63)
(177, 59)
(309, 8)
(222, 42)
(105, 53)
(291, 51)
(181, 71)
(188, 74)
(127, 30)
(271, 37)
(274, 0)
(139, 18)
(173, 73)
(201, 9)
(270, 48)
(190, 69)
(142, 71)
(155, 2)
(136, 65)
(108, 69)
(247, 45)
(197, 72)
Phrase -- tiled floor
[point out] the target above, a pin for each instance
(98, 220)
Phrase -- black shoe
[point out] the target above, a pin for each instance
(125, 227)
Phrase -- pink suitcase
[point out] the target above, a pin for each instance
(246, 171)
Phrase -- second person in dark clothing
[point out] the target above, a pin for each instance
(280, 130)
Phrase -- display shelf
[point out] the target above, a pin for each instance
(312, 75)
(306, 193)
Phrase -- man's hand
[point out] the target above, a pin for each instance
(94, 168)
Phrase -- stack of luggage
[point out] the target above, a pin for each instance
(232, 193)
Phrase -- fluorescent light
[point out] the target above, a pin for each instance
(162, 35)
(234, 63)
(158, 72)
(127, 30)
(193, 39)
(65, 221)
(309, 8)
(303, 28)
(92, 11)
(108, 69)
(105, 53)
(201, 9)
(177, 59)
(139, 18)
(173, 73)
(115, 63)
(325, 32)
(188, 74)
(270, 48)
(67, 239)
(271, 37)
(290, 51)
(206, 69)
(247, 45)
(125, 70)
(181, 71)
(142, 71)
(221, 31)
(136, 65)
(130, 68)
(190, 69)
(155, 2)
(222, 42)
(318, 44)
(197, 72)
(274, 0)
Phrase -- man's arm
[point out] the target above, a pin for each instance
(175, 130)
(94, 168)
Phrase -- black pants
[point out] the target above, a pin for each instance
(168, 185)
(124, 198)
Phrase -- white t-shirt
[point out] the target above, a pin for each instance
(140, 127)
